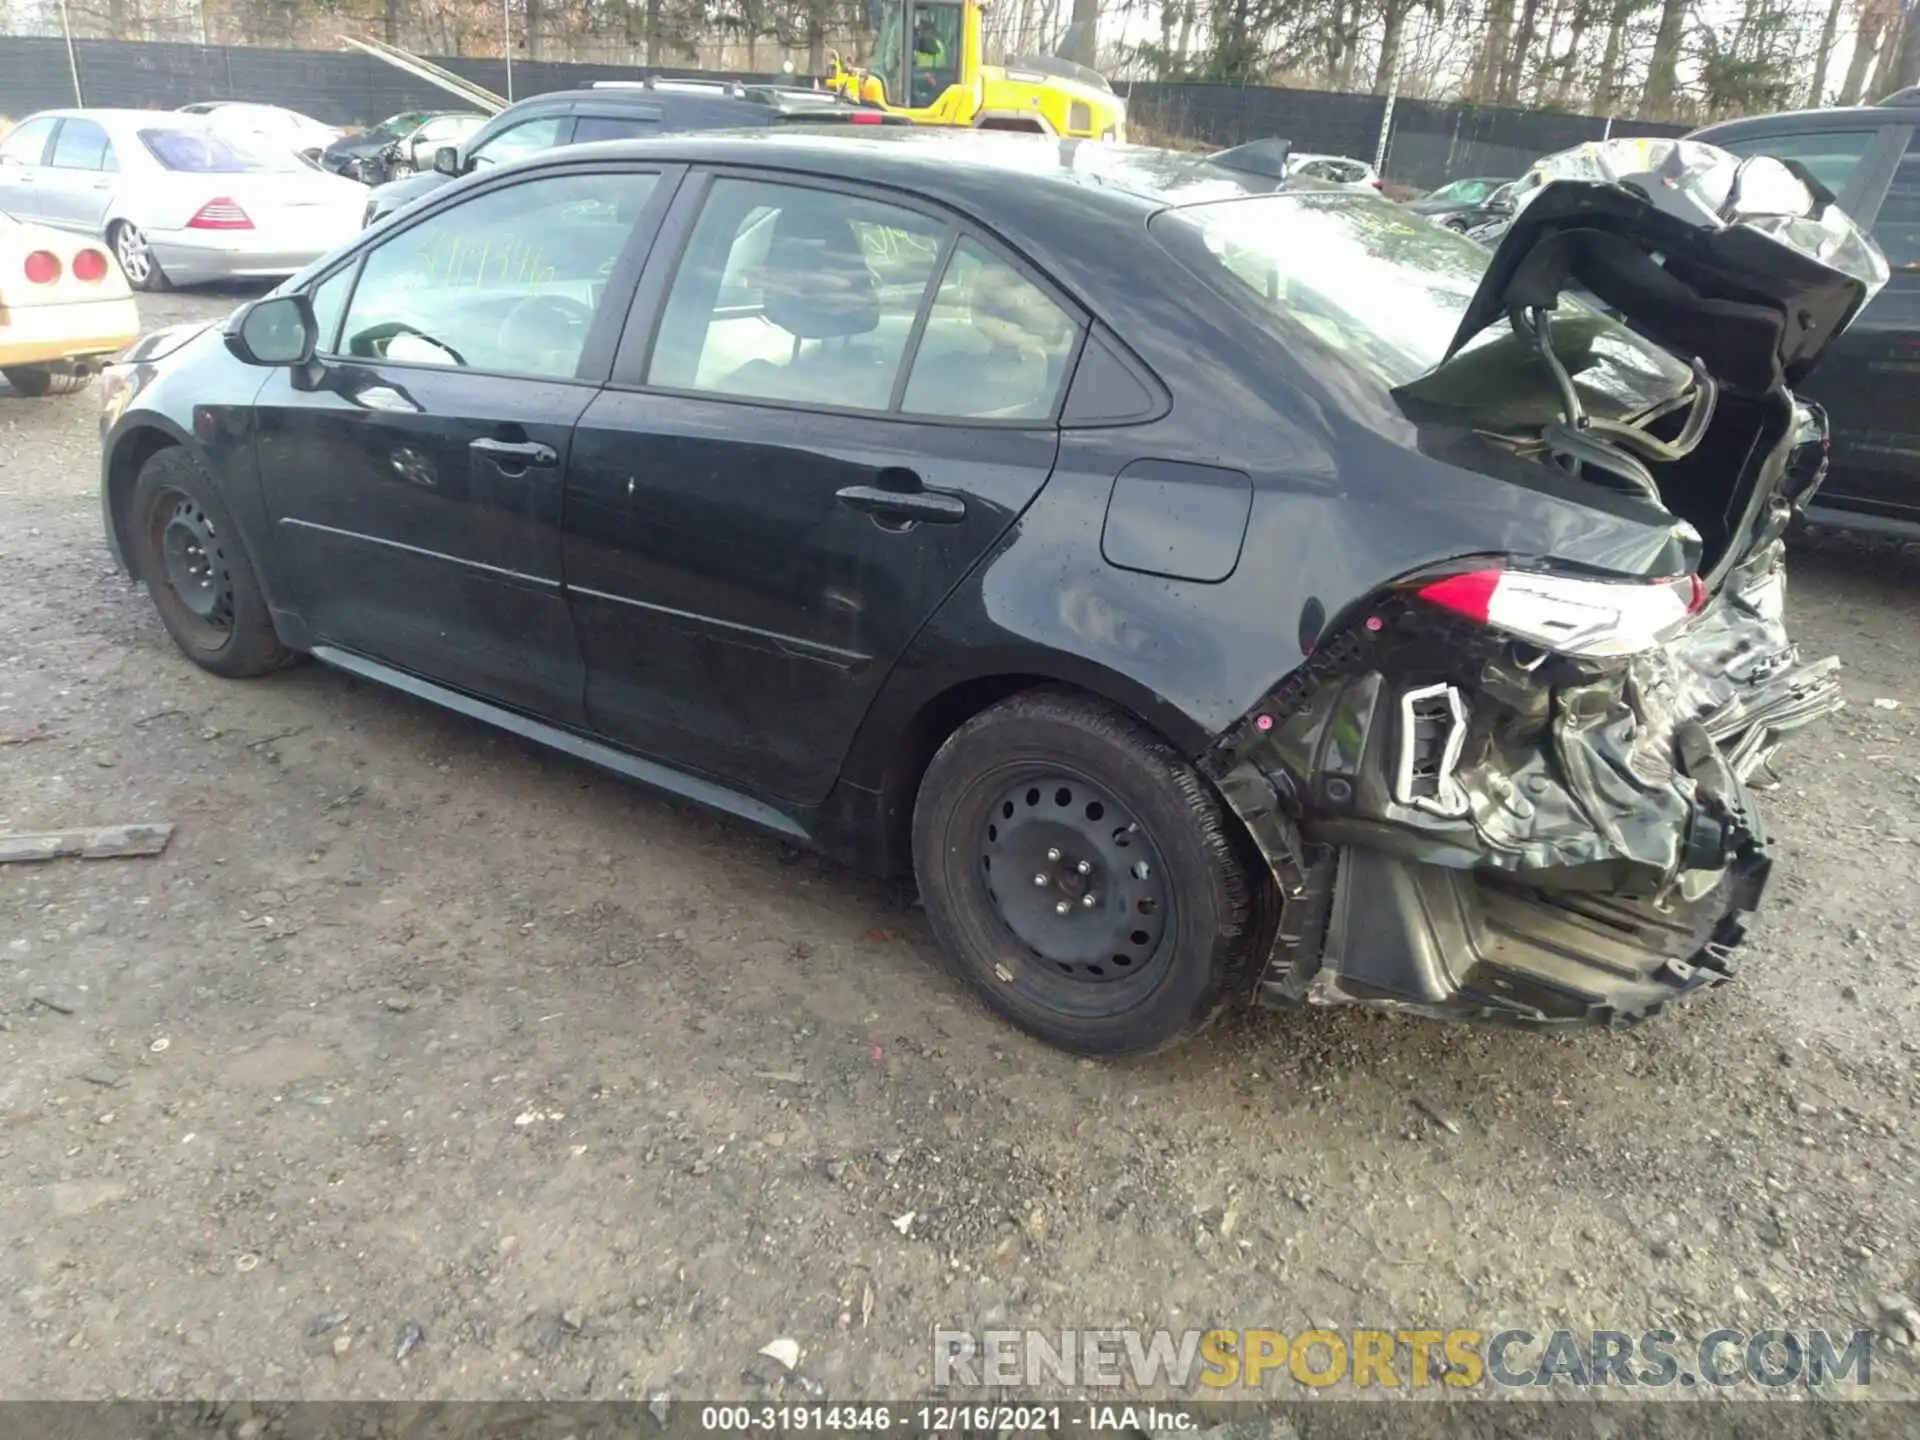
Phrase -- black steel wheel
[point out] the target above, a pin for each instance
(1084, 877)
(184, 547)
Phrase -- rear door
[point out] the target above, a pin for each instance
(23, 153)
(415, 476)
(827, 407)
(77, 184)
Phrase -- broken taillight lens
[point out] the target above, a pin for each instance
(1568, 614)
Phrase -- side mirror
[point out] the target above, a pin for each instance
(446, 161)
(276, 330)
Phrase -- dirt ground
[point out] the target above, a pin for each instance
(414, 1025)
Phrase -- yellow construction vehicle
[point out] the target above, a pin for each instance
(928, 65)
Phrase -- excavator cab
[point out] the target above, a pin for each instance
(928, 64)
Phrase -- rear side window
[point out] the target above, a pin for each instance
(1832, 157)
(995, 346)
(1898, 226)
(796, 294)
(81, 145)
(589, 128)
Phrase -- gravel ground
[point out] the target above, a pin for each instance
(414, 1025)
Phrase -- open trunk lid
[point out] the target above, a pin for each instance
(1745, 265)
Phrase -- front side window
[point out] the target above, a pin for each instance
(27, 143)
(1832, 157)
(329, 299)
(511, 144)
(795, 294)
(509, 281)
(1898, 226)
(82, 145)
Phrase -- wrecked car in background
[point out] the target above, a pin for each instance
(1204, 585)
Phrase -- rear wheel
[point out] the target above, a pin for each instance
(136, 258)
(185, 548)
(38, 380)
(1083, 877)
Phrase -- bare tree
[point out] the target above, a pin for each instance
(1816, 92)
(1657, 95)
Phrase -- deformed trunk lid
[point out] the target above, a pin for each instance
(1746, 265)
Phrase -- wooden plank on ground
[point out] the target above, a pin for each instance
(103, 842)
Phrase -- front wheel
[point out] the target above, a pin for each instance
(1083, 876)
(183, 545)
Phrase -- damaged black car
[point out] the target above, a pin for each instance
(1204, 590)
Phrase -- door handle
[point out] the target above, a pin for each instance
(934, 506)
(517, 454)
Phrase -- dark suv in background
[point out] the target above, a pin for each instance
(622, 110)
(1869, 157)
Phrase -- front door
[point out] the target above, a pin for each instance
(847, 402)
(415, 475)
(23, 152)
(77, 184)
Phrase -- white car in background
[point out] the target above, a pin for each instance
(64, 309)
(273, 124)
(1341, 170)
(176, 201)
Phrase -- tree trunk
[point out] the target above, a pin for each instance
(1657, 96)
(1570, 62)
(1607, 81)
(816, 44)
(1906, 69)
(1186, 35)
(1816, 92)
(534, 19)
(1508, 89)
(1493, 50)
(1394, 24)
(1083, 34)
(392, 26)
(1866, 45)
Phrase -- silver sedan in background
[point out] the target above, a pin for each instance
(269, 124)
(177, 201)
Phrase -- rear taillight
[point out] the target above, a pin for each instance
(42, 267)
(864, 117)
(221, 214)
(90, 265)
(1570, 615)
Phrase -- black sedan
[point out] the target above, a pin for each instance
(1458, 198)
(1202, 589)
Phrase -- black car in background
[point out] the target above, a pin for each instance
(399, 144)
(1869, 157)
(621, 110)
(1202, 587)
(1458, 198)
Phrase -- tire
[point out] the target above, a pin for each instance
(136, 258)
(186, 550)
(1038, 784)
(35, 381)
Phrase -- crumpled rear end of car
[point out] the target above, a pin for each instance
(1512, 790)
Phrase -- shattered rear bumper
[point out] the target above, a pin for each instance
(1579, 860)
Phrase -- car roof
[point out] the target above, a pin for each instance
(1843, 117)
(163, 119)
(753, 100)
(982, 172)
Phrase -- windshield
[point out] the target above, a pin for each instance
(1381, 288)
(200, 153)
